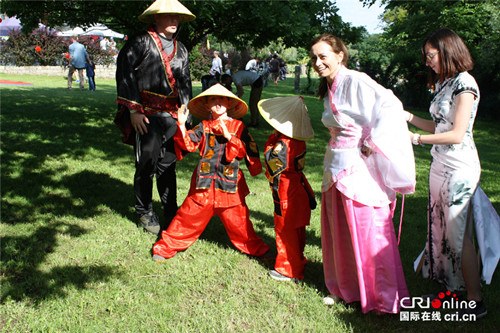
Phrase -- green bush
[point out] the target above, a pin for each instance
(200, 62)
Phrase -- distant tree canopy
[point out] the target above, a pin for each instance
(241, 23)
(393, 57)
(407, 25)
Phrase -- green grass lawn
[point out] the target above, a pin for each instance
(73, 259)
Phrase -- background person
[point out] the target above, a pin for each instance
(104, 44)
(216, 69)
(283, 69)
(153, 81)
(247, 78)
(252, 65)
(368, 138)
(274, 68)
(90, 71)
(77, 59)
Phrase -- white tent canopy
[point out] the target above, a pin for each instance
(72, 32)
(102, 30)
(95, 30)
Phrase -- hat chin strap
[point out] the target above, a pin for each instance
(174, 36)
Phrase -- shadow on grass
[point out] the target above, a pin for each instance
(22, 256)
(103, 190)
(87, 191)
(21, 259)
(215, 233)
(41, 126)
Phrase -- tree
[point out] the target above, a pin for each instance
(477, 22)
(370, 56)
(240, 23)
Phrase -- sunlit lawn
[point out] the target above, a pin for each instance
(74, 261)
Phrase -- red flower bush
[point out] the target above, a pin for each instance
(50, 49)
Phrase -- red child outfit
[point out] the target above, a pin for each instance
(218, 187)
(285, 158)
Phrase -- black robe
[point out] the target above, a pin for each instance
(141, 67)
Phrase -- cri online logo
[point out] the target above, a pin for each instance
(444, 300)
(437, 303)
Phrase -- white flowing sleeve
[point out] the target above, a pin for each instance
(389, 139)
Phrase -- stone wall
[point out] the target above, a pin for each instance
(100, 71)
(107, 72)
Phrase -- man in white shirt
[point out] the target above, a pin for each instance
(252, 65)
(104, 43)
(216, 69)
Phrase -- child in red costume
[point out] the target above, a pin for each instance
(293, 197)
(218, 186)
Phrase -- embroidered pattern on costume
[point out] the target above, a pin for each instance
(228, 171)
(205, 167)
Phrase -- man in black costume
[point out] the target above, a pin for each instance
(153, 81)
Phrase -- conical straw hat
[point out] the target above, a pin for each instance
(173, 7)
(198, 105)
(288, 115)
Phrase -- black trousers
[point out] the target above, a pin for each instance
(255, 95)
(155, 156)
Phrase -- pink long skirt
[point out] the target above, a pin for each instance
(361, 260)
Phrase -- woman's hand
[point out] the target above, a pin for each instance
(415, 138)
(408, 116)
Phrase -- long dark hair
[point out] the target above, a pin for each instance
(454, 56)
(337, 46)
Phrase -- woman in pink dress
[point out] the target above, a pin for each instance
(368, 159)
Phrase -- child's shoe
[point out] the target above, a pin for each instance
(280, 277)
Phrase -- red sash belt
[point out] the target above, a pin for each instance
(154, 103)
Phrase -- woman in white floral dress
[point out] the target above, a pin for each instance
(449, 256)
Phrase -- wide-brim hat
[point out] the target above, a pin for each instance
(173, 7)
(288, 115)
(198, 105)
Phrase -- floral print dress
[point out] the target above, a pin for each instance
(453, 179)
